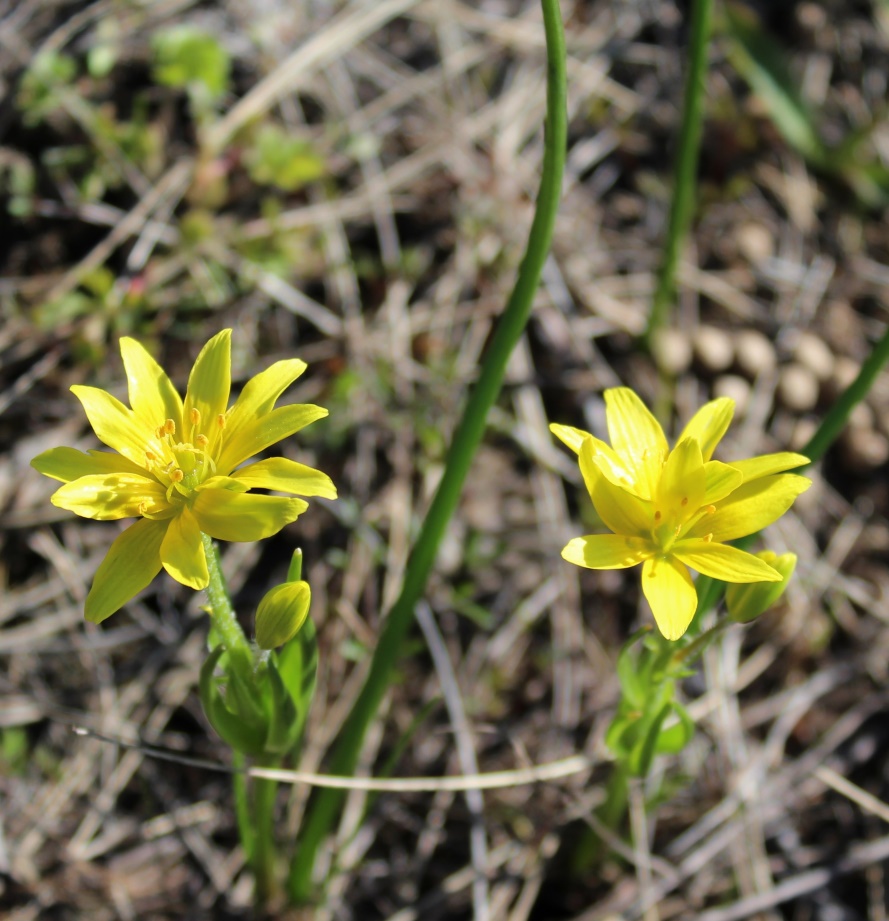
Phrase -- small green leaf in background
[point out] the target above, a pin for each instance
(279, 159)
(187, 58)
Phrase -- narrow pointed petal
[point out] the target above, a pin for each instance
(257, 435)
(620, 510)
(709, 424)
(636, 436)
(722, 480)
(604, 551)
(569, 436)
(153, 397)
(115, 425)
(260, 393)
(232, 516)
(182, 552)
(209, 385)
(682, 484)
(283, 475)
(599, 459)
(68, 464)
(109, 496)
(769, 464)
(671, 593)
(719, 561)
(132, 562)
(751, 507)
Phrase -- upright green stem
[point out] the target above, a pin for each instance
(264, 852)
(225, 621)
(465, 441)
(685, 166)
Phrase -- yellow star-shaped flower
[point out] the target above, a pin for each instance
(178, 468)
(670, 510)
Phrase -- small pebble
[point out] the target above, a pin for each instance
(797, 388)
(845, 370)
(865, 449)
(755, 242)
(736, 388)
(814, 353)
(861, 417)
(803, 432)
(754, 352)
(713, 348)
(672, 351)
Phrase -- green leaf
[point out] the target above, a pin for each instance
(187, 58)
(763, 64)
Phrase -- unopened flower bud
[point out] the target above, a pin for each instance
(281, 613)
(747, 601)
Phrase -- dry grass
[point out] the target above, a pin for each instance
(398, 264)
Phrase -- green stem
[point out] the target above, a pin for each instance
(833, 422)
(242, 806)
(225, 621)
(685, 166)
(264, 852)
(588, 849)
(466, 438)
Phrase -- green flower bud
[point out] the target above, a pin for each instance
(281, 613)
(747, 601)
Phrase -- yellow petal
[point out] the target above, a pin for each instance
(283, 475)
(719, 561)
(569, 436)
(604, 551)
(182, 552)
(680, 491)
(620, 510)
(722, 480)
(636, 436)
(671, 594)
(260, 393)
(115, 424)
(109, 496)
(751, 507)
(258, 434)
(709, 424)
(208, 388)
(769, 464)
(153, 397)
(226, 515)
(132, 562)
(597, 458)
(68, 464)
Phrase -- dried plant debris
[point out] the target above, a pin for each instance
(352, 183)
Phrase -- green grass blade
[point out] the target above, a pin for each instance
(686, 164)
(467, 436)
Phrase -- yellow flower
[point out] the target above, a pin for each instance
(178, 468)
(669, 510)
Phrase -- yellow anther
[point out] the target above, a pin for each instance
(150, 456)
(176, 475)
(169, 427)
(684, 501)
(657, 516)
(202, 441)
(194, 416)
(707, 538)
(710, 509)
(220, 420)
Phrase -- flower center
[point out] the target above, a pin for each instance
(672, 522)
(181, 465)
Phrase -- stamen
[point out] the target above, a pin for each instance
(657, 516)
(169, 427)
(220, 420)
(202, 441)
(176, 475)
(708, 538)
(195, 417)
(684, 501)
(150, 456)
(710, 509)
(159, 432)
(677, 530)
